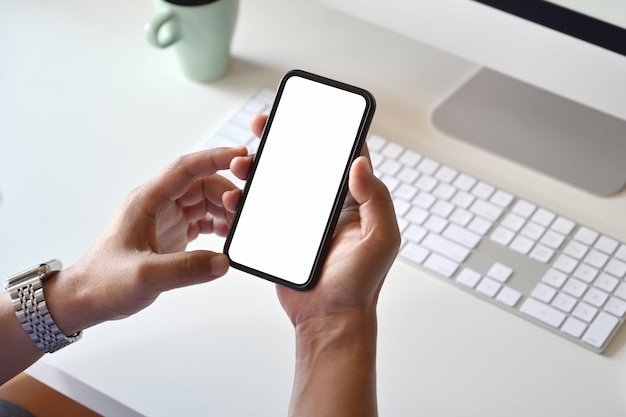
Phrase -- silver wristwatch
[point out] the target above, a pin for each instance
(26, 290)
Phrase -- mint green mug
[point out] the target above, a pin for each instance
(201, 32)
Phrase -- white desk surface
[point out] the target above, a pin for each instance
(89, 110)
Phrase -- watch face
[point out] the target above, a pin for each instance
(40, 271)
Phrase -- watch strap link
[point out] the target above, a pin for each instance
(32, 312)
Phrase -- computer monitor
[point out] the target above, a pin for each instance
(551, 92)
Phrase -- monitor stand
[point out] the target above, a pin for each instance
(543, 131)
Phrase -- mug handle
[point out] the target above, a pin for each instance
(154, 26)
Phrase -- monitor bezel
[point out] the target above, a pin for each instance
(568, 21)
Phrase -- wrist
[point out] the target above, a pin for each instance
(338, 331)
(336, 360)
(68, 302)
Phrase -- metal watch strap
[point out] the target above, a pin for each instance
(29, 303)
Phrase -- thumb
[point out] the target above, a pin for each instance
(181, 269)
(375, 204)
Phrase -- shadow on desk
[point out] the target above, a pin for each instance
(245, 76)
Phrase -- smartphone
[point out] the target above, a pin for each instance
(299, 178)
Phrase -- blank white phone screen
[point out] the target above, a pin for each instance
(288, 206)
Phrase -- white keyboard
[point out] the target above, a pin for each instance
(524, 258)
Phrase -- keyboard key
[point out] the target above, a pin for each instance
(600, 329)
(606, 282)
(410, 158)
(445, 247)
(414, 252)
(532, 230)
(464, 182)
(258, 105)
(524, 208)
(543, 312)
(574, 327)
(554, 278)
(462, 199)
(552, 239)
(483, 190)
(543, 292)
(621, 252)
(508, 296)
(575, 287)
(576, 249)
(596, 297)
(586, 235)
(221, 140)
(565, 263)
(392, 150)
(521, 244)
(444, 191)
(543, 217)
(446, 174)
(487, 210)
(442, 208)
(401, 206)
(468, 277)
(428, 166)
(405, 192)
(408, 175)
(441, 265)
(488, 287)
(238, 134)
(390, 167)
(424, 200)
(606, 244)
(513, 222)
(376, 159)
(461, 235)
(500, 272)
(616, 268)
(502, 235)
(585, 312)
(375, 143)
(417, 215)
(616, 306)
(415, 233)
(621, 291)
(564, 302)
(461, 217)
(426, 183)
(435, 223)
(402, 223)
(541, 253)
(596, 258)
(501, 199)
(563, 225)
(585, 273)
(480, 225)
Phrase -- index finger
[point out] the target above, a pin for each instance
(176, 179)
(257, 124)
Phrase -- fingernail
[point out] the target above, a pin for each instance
(219, 265)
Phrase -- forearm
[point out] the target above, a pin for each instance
(336, 366)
